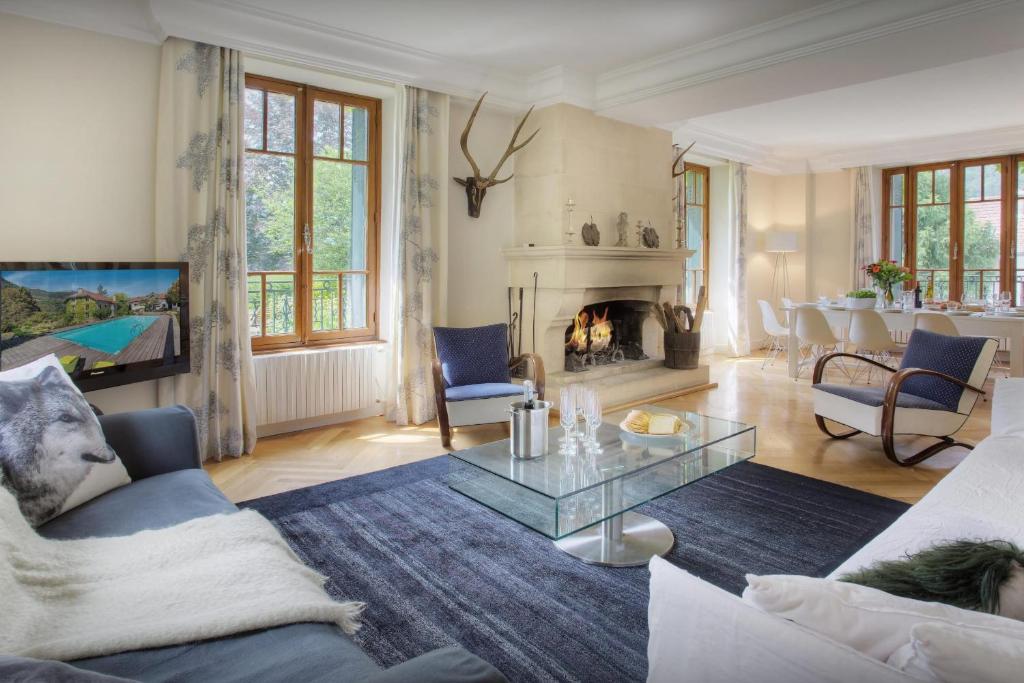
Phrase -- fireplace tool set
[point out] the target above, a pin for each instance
(516, 323)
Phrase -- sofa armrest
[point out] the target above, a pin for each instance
(155, 441)
(446, 665)
(701, 633)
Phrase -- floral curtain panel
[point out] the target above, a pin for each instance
(866, 223)
(736, 313)
(200, 218)
(421, 256)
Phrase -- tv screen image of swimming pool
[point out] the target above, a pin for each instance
(110, 336)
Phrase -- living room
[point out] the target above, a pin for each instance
(536, 341)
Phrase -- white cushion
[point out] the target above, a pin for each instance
(701, 633)
(952, 654)
(868, 620)
(1007, 400)
(52, 449)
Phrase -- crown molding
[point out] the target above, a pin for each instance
(803, 34)
(712, 144)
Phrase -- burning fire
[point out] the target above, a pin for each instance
(597, 329)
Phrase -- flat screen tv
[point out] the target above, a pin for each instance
(107, 323)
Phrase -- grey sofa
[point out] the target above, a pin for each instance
(160, 450)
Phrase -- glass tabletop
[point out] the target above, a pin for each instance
(559, 494)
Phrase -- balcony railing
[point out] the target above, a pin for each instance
(979, 283)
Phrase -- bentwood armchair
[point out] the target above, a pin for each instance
(932, 394)
(473, 376)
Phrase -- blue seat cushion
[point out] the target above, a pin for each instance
(953, 356)
(875, 397)
(473, 355)
(473, 392)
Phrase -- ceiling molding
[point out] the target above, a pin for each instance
(829, 29)
(708, 143)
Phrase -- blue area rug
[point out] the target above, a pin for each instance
(436, 568)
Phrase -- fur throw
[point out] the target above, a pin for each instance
(975, 575)
(206, 578)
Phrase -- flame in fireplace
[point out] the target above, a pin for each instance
(596, 328)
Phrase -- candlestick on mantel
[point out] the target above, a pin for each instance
(570, 206)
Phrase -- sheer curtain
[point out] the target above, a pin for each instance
(736, 305)
(420, 258)
(200, 218)
(867, 224)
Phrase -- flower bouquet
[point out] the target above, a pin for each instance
(886, 274)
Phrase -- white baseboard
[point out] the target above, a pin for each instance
(320, 421)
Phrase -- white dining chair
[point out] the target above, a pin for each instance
(939, 323)
(869, 333)
(778, 334)
(815, 338)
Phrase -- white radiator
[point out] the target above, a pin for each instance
(298, 386)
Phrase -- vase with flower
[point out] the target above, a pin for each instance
(886, 274)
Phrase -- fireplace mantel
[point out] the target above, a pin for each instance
(575, 267)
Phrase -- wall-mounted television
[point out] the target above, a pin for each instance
(107, 323)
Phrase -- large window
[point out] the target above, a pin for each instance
(312, 207)
(695, 205)
(957, 225)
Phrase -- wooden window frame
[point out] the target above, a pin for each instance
(304, 335)
(1008, 200)
(704, 171)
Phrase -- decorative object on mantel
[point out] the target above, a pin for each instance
(678, 205)
(678, 170)
(591, 235)
(682, 332)
(622, 226)
(570, 206)
(476, 185)
(647, 236)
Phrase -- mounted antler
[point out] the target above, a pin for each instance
(675, 163)
(476, 185)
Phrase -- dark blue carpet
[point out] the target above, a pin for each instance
(436, 568)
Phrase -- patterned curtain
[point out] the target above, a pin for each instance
(421, 256)
(200, 218)
(736, 313)
(863, 226)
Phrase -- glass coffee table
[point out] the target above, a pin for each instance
(584, 500)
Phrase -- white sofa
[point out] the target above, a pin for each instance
(699, 632)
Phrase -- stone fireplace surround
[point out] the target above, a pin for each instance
(570, 278)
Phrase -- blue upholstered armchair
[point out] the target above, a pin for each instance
(932, 393)
(473, 376)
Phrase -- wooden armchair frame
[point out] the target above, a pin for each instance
(892, 392)
(527, 366)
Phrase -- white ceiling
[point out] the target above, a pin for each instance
(974, 95)
(523, 37)
(779, 84)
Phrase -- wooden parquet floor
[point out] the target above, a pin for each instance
(787, 438)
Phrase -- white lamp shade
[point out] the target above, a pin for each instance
(780, 242)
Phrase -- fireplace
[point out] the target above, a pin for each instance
(606, 333)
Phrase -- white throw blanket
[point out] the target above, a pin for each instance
(209, 577)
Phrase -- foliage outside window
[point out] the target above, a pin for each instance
(957, 225)
(696, 184)
(312, 173)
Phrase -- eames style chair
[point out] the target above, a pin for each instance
(932, 394)
(777, 334)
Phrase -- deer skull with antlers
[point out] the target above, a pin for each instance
(476, 185)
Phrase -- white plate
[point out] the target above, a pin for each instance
(834, 307)
(959, 313)
(657, 438)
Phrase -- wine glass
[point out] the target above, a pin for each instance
(593, 417)
(567, 418)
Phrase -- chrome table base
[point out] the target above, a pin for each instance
(626, 540)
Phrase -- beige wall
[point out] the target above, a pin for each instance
(477, 273)
(77, 134)
(606, 166)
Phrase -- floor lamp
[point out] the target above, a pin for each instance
(781, 244)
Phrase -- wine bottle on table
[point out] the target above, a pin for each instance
(917, 294)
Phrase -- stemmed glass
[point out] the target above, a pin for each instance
(593, 420)
(567, 418)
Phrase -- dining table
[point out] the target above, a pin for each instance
(1003, 326)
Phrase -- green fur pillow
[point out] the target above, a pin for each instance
(986, 576)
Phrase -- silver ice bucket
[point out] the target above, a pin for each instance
(529, 429)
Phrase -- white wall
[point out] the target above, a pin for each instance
(477, 272)
(77, 134)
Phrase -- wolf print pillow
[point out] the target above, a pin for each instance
(53, 455)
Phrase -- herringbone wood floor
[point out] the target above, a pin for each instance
(787, 438)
